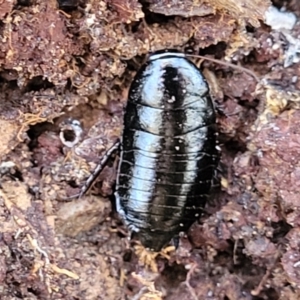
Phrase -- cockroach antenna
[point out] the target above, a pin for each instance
(225, 63)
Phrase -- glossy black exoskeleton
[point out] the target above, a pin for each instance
(168, 149)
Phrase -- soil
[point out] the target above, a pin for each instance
(66, 67)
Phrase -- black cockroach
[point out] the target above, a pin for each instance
(168, 151)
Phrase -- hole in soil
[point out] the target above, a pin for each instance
(8, 88)
(38, 83)
(72, 183)
(24, 2)
(217, 50)
(235, 146)
(250, 29)
(281, 228)
(278, 3)
(250, 59)
(127, 255)
(69, 85)
(17, 175)
(36, 130)
(151, 17)
(33, 292)
(249, 104)
(68, 5)
(174, 275)
(69, 135)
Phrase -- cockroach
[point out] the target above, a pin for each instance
(168, 150)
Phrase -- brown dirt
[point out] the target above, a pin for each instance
(74, 60)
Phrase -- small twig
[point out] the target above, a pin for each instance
(260, 286)
(187, 282)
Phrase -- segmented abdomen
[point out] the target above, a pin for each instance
(168, 149)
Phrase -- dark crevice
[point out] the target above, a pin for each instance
(217, 50)
(174, 275)
(36, 130)
(250, 29)
(249, 104)
(17, 175)
(281, 229)
(2, 27)
(152, 17)
(235, 146)
(72, 183)
(25, 2)
(69, 135)
(38, 83)
(69, 5)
